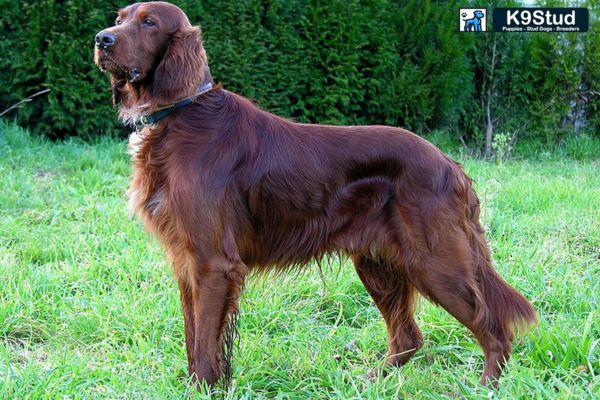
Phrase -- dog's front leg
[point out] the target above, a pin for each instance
(187, 306)
(215, 291)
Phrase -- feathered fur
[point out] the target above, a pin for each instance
(229, 188)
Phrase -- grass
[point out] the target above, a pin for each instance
(89, 310)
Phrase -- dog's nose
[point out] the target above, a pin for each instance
(105, 39)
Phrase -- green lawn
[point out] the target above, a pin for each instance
(88, 307)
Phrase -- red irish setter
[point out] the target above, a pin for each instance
(229, 188)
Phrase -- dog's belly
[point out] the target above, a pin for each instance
(351, 218)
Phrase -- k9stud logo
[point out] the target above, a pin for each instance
(472, 20)
(541, 19)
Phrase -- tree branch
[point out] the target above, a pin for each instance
(27, 100)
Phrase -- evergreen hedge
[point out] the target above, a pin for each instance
(389, 62)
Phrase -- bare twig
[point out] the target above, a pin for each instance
(27, 100)
(489, 131)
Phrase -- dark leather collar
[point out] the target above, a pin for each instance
(147, 120)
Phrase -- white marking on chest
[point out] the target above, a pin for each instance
(133, 198)
(154, 204)
(135, 143)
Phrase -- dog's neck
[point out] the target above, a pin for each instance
(135, 99)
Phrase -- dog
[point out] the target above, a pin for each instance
(229, 189)
(474, 24)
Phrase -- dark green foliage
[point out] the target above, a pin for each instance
(342, 62)
(48, 44)
(565, 73)
(389, 62)
(591, 72)
(543, 85)
(417, 65)
(503, 77)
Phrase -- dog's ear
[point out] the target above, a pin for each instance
(119, 92)
(181, 69)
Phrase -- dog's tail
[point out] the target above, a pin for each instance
(504, 309)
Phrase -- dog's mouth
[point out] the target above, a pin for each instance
(107, 63)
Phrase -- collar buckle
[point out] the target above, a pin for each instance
(142, 122)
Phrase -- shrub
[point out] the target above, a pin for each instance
(49, 44)
(333, 62)
(341, 62)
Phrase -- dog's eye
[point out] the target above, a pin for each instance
(118, 22)
(148, 22)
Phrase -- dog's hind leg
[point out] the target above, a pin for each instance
(448, 276)
(394, 297)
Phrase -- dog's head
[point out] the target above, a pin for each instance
(478, 14)
(152, 46)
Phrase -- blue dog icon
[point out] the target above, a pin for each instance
(474, 24)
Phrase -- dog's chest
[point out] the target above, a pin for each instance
(147, 190)
(135, 143)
